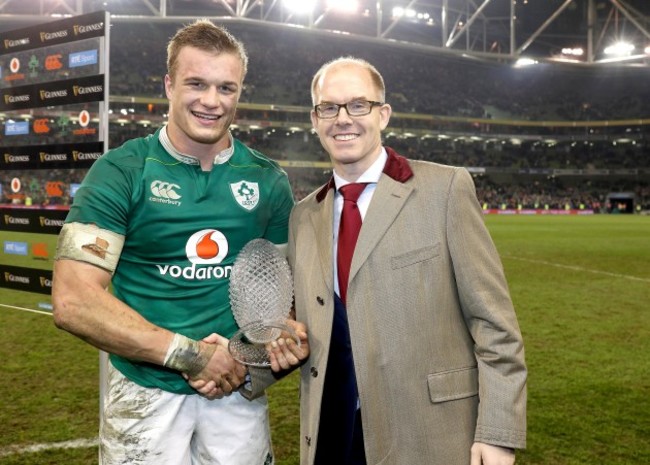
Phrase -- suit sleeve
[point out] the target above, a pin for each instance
(490, 317)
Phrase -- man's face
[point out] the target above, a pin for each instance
(203, 98)
(353, 142)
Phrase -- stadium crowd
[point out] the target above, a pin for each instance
(282, 61)
(514, 165)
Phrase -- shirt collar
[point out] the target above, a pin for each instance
(220, 158)
(396, 167)
(371, 175)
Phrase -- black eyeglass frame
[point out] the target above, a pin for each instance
(372, 103)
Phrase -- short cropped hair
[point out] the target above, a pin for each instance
(375, 75)
(207, 36)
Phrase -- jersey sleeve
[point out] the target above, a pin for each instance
(282, 202)
(104, 196)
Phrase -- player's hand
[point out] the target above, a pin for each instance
(222, 375)
(487, 454)
(284, 352)
(208, 389)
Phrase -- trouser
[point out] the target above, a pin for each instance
(340, 432)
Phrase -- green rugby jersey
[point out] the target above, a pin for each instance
(183, 229)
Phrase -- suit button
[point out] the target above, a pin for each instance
(308, 439)
(320, 300)
(314, 372)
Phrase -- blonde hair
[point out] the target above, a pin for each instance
(207, 36)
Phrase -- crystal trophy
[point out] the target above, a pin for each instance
(261, 295)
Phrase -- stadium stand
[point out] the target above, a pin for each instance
(556, 135)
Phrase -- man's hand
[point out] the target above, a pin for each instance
(222, 375)
(487, 454)
(284, 352)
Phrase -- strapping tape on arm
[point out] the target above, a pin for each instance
(91, 244)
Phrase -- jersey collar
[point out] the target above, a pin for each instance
(220, 158)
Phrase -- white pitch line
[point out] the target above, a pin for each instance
(580, 268)
(74, 444)
(41, 312)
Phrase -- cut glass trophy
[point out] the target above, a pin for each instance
(261, 295)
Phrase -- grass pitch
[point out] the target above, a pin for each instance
(581, 287)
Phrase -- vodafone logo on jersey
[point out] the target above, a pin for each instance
(205, 249)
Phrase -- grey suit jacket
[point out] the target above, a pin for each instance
(438, 354)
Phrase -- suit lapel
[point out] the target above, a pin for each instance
(387, 201)
(321, 217)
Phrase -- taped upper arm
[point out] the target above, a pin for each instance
(91, 244)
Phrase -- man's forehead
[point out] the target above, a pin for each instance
(345, 75)
(210, 64)
(355, 85)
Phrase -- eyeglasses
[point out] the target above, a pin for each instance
(354, 108)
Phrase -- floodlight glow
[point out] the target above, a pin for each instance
(344, 6)
(562, 59)
(399, 12)
(620, 49)
(525, 62)
(300, 6)
(578, 51)
(647, 50)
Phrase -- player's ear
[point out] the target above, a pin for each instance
(168, 86)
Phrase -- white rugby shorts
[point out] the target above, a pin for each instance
(148, 426)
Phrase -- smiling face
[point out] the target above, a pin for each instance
(353, 143)
(203, 96)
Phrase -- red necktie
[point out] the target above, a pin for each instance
(348, 233)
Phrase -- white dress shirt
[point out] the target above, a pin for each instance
(370, 176)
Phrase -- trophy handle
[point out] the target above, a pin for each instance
(248, 344)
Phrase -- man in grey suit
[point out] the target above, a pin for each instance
(421, 360)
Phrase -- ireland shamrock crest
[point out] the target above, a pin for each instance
(246, 194)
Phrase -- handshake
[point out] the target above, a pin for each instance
(211, 370)
(261, 292)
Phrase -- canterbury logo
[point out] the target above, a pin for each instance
(165, 192)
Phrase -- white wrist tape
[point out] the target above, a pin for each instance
(184, 355)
